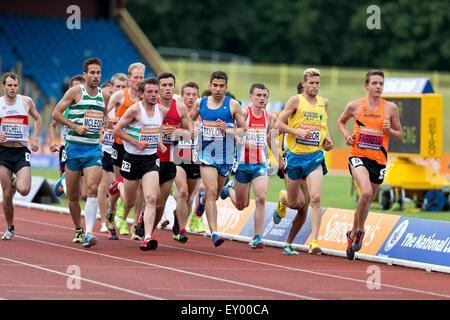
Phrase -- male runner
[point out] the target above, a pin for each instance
(140, 130)
(376, 120)
(304, 119)
(252, 161)
(218, 114)
(15, 167)
(87, 111)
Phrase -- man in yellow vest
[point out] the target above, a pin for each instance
(304, 120)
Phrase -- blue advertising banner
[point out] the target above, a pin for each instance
(419, 240)
(278, 232)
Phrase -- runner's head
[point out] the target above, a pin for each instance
(10, 84)
(119, 81)
(166, 85)
(189, 93)
(149, 90)
(136, 73)
(92, 72)
(311, 81)
(374, 83)
(218, 84)
(76, 80)
(259, 95)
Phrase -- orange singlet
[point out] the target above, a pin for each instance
(127, 102)
(371, 141)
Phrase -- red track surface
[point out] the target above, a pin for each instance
(34, 265)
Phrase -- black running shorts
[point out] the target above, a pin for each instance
(376, 170)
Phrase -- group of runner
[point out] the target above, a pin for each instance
(137, 137)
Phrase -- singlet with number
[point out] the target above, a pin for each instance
(172, 119)
(147, 129)
(89, 111)
(214, 142)
(308, 117)
(108, 136)
(257, 134)
(371, 141)
(14, 121)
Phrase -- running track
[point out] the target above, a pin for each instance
(35, 266)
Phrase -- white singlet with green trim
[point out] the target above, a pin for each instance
(89, 111)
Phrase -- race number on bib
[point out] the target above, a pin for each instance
(211, 132)
(314, 140)
(94, 120)
(151, 135)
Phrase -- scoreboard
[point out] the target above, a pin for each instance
(421, 118)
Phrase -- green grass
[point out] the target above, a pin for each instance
(336, 193)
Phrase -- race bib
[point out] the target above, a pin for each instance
(314, 140)
(14, 128)
(169, 140)
(94, 120)
(370, 139)
(108, 138)
(211, 132)
(257, 135)
(151, 135)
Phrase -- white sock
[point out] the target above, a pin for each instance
(63, 182)
(90, 212)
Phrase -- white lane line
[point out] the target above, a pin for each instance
(272, 265)
(173, 269)
(110, 286)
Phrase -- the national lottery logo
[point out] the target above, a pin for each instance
(396, 235)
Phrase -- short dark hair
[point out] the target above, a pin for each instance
(165, 75)
(90, 61)
(78, 77)
(373, 73)
(299, 88)
(151, 80)
(12, 75)
(107, 83)
(189, 84)
(258, 86)
(218, 75)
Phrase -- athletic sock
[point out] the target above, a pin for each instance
(90, 212)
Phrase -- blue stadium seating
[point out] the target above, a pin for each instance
(50, 51)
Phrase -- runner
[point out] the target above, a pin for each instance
(120, 101)
(140, 130)
(376, 120)
(87, 112)
(218, 114)
(252, 161)
(304, 119)
(15, 167)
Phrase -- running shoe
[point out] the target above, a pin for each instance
(59, 189)
(90, 240)
(256, 242)
(224, 193)
(123, 227)
(79, 235)
(150, 243)
(134, 236)
(193, 222)
(200, 225)
(200, 207)
(349, 251)
(140, 229)
(120, 208)
(9, 233)
(183, 238)
(176, 225)
(357, 241)
(280, 211)
(114, 187)
(113, 235)
(103, 229)
(216, 239)
(287, 249)
(109, 219)
(314, 247)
